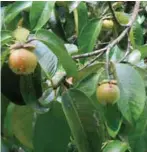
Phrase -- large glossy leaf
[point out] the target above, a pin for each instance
(27, 89)
(8, 128)
(117, 53)
(89, 84)
(116, 146)
(57, 46)
(89, 35)
(113, 120)
(136, 35)
(142, 50)
(15, 9)
(30, 86)
(6, 36)
(22, 124)
(40, 13)
(122, 17)
(85, 111)
(51, 131)
(138, 134)
(132, 97)
(46, 58)
(74, 123)
(82, 16)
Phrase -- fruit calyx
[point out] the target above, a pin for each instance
(20, 45)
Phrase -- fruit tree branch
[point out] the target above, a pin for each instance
(121, 36)
(118, 39)
(108, 47)
(89, 54)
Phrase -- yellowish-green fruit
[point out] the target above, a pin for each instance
(22, 61)
(108, 93)
(107, 24)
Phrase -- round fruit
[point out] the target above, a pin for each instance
(108, 93)
(107, 24)
(22, 61)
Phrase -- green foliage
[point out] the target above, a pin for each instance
(51, 131)
(56, 107)
(40, 13)
(132, 100)
(6, 36)
(115, 145)
(57, 46)
(88, 36)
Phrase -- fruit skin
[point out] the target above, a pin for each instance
(22, 61)
(108, 24)
(108, 93)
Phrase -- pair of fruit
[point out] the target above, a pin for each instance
(108, 92)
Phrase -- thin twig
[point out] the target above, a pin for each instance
(92, 61)
(112, 11)
(135, 13)
(121, 36)
(107, 62)
(89, 54)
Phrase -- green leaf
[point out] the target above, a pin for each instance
(74, 122)
(117, 53)
(143, 50)
(46, 58)
(122, 17)
(22, 123)
(8, 128)
(57, 46)
(27, 89)
(138, 134)
(6, 36)
(15, 9)
(136, 35)
(51, 131)
(40, 13)
(89, 35)
(4, 56)
(116, 146)
(132, 97)
(82, 16)
(113, 120)
(4, 104)
(30, 86)
(89, 84)
(85, 111)
(89, 70)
